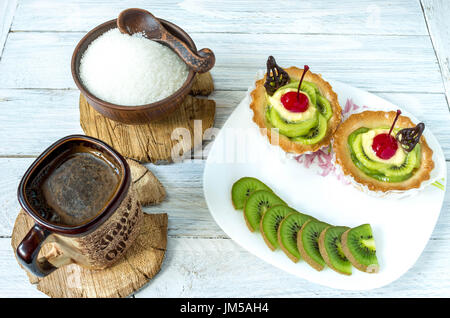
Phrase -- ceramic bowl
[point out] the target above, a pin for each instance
(132, 114)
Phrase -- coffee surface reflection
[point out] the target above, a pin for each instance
(73, 188)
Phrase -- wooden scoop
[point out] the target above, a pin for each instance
(132, 21)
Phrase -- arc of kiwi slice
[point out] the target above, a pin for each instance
(315, 135)
(330, 248)
(270, 223)
(287, 234)
(243, 188)
(309, 89)
(404, 169)
(358, 246)
(292, 129)
(308, 243)
(324, 107)
(256, 206)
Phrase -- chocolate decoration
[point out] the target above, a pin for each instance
(409, 137)
(276, 76)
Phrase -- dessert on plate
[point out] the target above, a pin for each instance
(383, 151)
(301, 105)
(301, 236)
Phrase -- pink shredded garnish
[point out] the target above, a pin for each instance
(348, 106)
(323, 157)
(351, 106)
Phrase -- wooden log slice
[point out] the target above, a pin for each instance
(159, 140)
(148, 188)
(135, 269)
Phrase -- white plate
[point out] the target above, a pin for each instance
(401, 227)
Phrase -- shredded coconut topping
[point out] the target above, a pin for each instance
(131, 70)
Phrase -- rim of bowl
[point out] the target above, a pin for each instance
(104, 103)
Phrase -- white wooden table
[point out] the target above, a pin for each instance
(397, 49)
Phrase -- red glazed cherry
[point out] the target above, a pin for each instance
(295, 103)
(385, 145)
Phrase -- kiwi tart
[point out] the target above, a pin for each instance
(300, 105)
(383, 151)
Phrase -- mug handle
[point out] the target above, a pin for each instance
(28, 251)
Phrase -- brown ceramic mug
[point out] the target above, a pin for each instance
(80, 195)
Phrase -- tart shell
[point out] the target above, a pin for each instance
(259, 104)
(375, 119)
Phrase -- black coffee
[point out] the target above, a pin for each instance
(73, 190)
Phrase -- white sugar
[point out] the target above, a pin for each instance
(131, 70)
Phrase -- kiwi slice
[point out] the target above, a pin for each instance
(418, 152)
(353, 135)
(363, 158)
(308, 243)
(315, 135)
(243, 188)
(316, 88)
(358, 246)
(324, 107)
(292, 129)
(287, 234)
(310, 91)
(330, 248)
(404, 169)
(257, 204)
(270, 222)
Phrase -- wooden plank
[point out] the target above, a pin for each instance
(25, 115)
(437, 16)
(13, 280)
(266, 16)
(226, 270)
(7, 10)
(12, 171)
(185, 204)
(430, 109)
(206, 267)
(42, 60)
